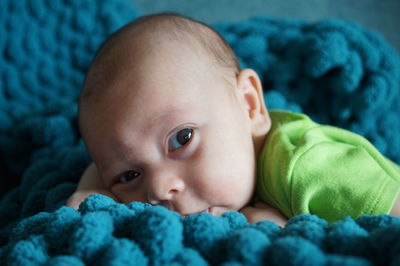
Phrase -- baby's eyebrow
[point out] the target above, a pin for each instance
(165, 115)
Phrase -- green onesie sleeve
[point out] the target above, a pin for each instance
(310, 168)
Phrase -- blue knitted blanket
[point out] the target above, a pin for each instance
(333, 70)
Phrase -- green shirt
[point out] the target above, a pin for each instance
(323, 170)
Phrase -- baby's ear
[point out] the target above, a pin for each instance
(251, 94)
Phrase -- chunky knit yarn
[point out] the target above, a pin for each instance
(103, 232)
(335, 71)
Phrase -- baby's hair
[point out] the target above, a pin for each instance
(209, 38)
(178, 28)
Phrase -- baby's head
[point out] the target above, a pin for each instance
(168, 117)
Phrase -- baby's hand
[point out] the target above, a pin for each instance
(262, 211)
(90, 183)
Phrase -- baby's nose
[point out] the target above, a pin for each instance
(163, 189)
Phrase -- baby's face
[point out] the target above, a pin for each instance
(170, 131)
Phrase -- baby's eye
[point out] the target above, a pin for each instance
(180, 138)
(128, 176)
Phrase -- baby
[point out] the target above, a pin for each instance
(170, 119)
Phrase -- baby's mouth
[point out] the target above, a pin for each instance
(208, 210)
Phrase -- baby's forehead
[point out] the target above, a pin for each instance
(182, 83)
(175, 72)
(159, 68)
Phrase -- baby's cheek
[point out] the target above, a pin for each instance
(215, 190)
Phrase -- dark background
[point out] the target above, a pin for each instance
(382, 16)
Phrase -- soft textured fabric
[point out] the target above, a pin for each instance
(333, 70)
(306, 167)
(103, 232)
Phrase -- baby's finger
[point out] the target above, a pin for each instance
(74, 201)
(78, 197)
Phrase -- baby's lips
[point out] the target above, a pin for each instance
(208, 210)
